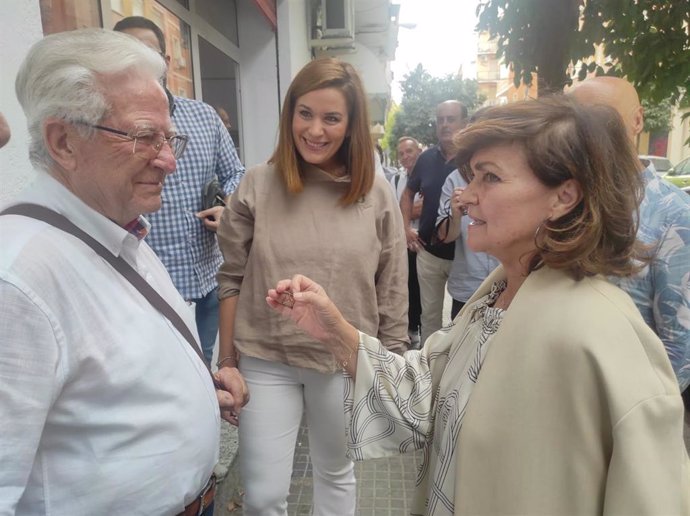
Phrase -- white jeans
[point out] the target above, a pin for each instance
(432, 273)
(268, 430)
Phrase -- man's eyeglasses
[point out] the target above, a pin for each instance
(147, 142)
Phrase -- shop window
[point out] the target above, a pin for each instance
(177, 40)
(219, 86)
(62, 15)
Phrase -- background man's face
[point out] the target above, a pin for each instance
(146, 36)
(408, 153)
(449, 121)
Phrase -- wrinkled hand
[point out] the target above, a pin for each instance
(457, 207)
(312, 310)
(232, 393)
(414, 243)
(211, 217)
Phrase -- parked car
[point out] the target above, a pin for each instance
(680, 175)
(661, 165)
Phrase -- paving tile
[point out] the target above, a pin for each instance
(384, 486)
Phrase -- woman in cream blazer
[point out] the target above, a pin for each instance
(548, 395)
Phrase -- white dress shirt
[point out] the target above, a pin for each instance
(104, 406)
(399, 182)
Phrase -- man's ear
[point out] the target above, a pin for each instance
(637, 122)
(60, 138)
(569, 195)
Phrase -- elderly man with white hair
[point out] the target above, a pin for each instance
(107, 406)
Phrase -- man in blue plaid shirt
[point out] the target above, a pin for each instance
(182, 233)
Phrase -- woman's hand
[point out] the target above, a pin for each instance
(306, 303)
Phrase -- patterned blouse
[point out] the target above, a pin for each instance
(418, 401)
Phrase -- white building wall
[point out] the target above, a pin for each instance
(258, 84)
(20, 27)
(293, 41)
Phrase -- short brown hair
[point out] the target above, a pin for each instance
(139, 22)
(564, 140)
(356, 152)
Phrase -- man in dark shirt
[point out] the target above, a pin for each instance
(434, 259)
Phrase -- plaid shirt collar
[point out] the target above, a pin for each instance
(138, 227)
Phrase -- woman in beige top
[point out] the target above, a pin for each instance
(316, 206)
(549, 395)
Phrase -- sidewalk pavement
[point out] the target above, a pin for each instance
(384, 486)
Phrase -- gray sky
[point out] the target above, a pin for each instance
(442, 40)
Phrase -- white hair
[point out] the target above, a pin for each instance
(62, 77)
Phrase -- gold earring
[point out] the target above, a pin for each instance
(541, 226)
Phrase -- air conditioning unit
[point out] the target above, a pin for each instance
(338, 18)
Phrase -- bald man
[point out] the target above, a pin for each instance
(661, 291)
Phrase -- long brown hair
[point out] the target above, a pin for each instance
(565, 140)
(356, 152)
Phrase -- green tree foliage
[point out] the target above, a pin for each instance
(421, 94)
(388, 143)
(648, 41)
(657, 116)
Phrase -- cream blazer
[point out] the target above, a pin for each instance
(576, 411)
